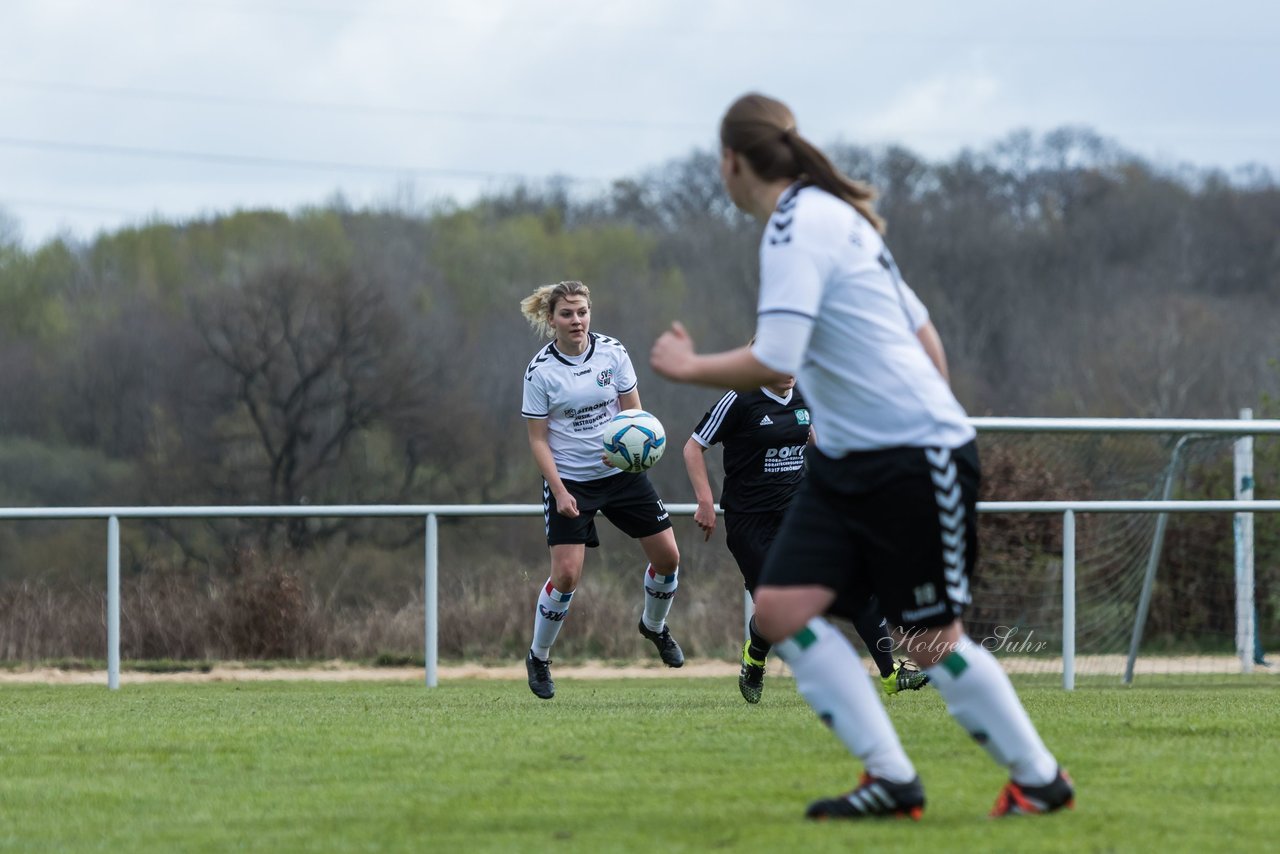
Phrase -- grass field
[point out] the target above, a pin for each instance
(610, 765)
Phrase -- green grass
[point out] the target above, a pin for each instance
(612, 765)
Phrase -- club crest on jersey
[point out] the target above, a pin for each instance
(802, 416)
(604, 377)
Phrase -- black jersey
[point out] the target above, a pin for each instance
(764, 438)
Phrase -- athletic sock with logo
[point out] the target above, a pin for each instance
(981, 698)
(659, 590)
(549, 617)
(837, 687)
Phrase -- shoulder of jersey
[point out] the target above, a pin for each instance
(543, 356)
(605, 342)
(817, 211)
(779, 230)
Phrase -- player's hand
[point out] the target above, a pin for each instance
(567, 505)
(672, 353)
(604, 458)
(705, 516)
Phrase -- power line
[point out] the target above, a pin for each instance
(132, 92)
(844, 30)
(19, 202)
(261, 160)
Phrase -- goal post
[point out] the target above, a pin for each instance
(1171, 565)
(1153, 562)
(1243, 530)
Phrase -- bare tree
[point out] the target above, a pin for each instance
(314, 359)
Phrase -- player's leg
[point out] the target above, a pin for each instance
(661, 578)
(895, 675)
(927, 601)
(556, 595)
(567, 540)
(748, 537)
(874, 631)
(812, 561)
(981, 699)
(635, 508)
(834, 683)
(552, 608)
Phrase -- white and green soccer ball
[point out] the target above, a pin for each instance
(634, 440)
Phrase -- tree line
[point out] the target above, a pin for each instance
(335, 355)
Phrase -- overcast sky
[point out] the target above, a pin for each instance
(116, 111)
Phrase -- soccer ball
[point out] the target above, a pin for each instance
(634, 440)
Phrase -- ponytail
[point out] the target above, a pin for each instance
(538, 306)
(763, 130)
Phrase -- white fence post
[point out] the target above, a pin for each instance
(1244, 549)
(113, 603)
(1069, 600)
(430, 600)
(1243, 509)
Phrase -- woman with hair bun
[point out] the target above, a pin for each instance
(888, 506)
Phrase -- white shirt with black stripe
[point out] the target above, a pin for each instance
(835, 312)
(578, 395)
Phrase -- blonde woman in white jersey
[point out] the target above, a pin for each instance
(572, 388)
(888, 505)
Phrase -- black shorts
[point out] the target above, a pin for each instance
(749, 536)
(899, 524)
(629, 501)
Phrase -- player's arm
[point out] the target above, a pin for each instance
(922, 326)
(696, 465)
(932, 343)
(540, 444)
(790, 295)
(673, 357)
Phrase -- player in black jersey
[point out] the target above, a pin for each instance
(764, 434)
(572, 388)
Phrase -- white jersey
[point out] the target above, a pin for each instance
(835, 313)
(578, 395)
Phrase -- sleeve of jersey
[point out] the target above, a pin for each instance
(717, 422)
(625, 381)
(790, 293)
(536, 404)
(917, 314)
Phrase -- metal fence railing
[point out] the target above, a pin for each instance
(431, 513)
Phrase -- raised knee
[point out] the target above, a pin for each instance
(666, 567)
(667, 562)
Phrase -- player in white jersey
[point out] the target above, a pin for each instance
(572, 388)
(888, 507)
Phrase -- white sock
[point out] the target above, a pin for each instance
(659, 590)
(548, 618)
(981, 698)
(835, 684)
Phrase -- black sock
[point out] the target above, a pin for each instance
(759, 647)
(874, 631)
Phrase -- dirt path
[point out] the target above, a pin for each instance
(339, 671)
(344, 672)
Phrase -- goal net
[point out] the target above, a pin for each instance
(1182, 565)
